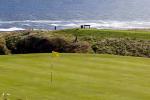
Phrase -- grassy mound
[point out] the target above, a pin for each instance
(118, 42)
(103, 34)
(75, 77)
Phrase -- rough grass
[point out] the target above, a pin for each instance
(103, 33)
(75, 77)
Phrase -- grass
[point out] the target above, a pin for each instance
(84, 34)
(107, 33)
(75, 77)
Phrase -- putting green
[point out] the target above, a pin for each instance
(75, 77)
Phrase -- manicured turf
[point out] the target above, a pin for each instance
(75, 77)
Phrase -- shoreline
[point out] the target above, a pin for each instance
(67, 24)
(21, 29)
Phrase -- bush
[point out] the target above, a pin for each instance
(34, 44)
(79, 47)
(125, 47)
(12, 40)
(3, 48)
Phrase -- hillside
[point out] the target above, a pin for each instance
(116, 42)
(106, 33)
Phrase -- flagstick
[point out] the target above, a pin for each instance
(54, 54)
(51, 77)
(51, 73)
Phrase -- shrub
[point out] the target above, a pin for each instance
(12, 40)
(3, 48)
(125, 47)
(79, 47)
(33, 44)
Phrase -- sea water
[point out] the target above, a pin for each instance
(102, 14)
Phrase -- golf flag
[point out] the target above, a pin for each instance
(55, 54)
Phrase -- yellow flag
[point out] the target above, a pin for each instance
(55, 54)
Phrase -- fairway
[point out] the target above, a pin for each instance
(75, 77)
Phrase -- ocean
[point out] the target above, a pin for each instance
(101, 14)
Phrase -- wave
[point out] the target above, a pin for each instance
(31, 21)
(49, 24)
(10, 29)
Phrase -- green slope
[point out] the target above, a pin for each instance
(101, 34)
(75, 77)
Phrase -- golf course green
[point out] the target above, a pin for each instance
(74, 77)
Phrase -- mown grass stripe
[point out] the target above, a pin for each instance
(76, 77)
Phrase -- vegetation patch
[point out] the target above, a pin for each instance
(34, 44)
(3, 48)
(125, 47)
(118, 42)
